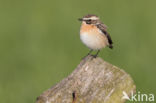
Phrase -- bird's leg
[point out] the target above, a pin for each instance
(96, 54)
(89, 52)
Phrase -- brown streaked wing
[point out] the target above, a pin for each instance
(103, 28)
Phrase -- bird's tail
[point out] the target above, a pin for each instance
(110, 46)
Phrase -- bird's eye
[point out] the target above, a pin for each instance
(88, 21)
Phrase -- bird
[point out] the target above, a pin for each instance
(93, 33)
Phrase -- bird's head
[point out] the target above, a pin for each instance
(89, 19)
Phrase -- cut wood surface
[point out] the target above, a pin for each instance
(93, 81)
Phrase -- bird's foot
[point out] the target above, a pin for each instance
(94, 56)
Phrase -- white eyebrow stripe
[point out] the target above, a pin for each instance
(92, 18)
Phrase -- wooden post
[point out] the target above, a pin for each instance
(93, 81)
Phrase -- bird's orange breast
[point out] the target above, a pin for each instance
(92, 37)
(88, 28)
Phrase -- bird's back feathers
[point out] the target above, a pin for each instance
(103, 28)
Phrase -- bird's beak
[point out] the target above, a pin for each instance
(80, 19)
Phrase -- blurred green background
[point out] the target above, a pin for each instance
(40, 45)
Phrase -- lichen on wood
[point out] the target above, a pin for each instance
(93, 81)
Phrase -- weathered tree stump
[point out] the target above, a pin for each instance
(93, 81)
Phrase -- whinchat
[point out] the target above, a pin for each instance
(93, 33)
